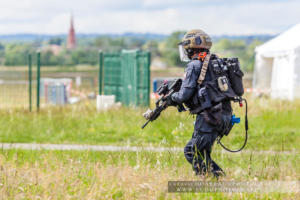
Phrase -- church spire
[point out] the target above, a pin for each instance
(71, 42)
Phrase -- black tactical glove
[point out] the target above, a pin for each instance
(169, 101)
(180, 108)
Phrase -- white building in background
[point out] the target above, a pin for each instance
(277, 66)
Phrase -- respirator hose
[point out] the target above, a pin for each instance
(246, 133)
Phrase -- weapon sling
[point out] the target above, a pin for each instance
(204, 69)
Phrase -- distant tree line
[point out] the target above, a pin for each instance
(168, 49)
(15, 54)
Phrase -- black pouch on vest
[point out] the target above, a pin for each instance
(201, 101)
(204, 99)
(235, 75)
(213, 115)
(214, 93)
(227, 125)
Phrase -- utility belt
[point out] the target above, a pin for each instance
(208, 95)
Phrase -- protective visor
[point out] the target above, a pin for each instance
(183, 54)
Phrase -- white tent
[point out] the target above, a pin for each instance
(277, 66)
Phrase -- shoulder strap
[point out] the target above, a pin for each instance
(204, 69)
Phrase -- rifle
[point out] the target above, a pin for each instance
(161, 104)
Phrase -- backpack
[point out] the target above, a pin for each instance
(235, 75)
(227, 79)
(226, 83)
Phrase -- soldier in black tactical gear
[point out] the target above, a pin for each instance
(210, 122)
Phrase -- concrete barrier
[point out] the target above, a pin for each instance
(105, 101)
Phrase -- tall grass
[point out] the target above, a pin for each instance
(128, 175)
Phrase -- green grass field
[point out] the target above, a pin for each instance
(274, 125)
(24, 174)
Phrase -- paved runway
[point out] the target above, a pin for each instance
(78, 147)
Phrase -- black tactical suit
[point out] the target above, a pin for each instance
(199, 147)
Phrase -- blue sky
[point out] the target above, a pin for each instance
(233, 17)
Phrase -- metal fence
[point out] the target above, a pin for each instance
(62, 84)
(125, 75)
(15, 87)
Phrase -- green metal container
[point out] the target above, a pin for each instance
(127, 76)
(112, 75)
(143, 78)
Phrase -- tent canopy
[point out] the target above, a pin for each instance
(282, 44)
(277, 65)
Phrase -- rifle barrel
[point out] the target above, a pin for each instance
(145, 124)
